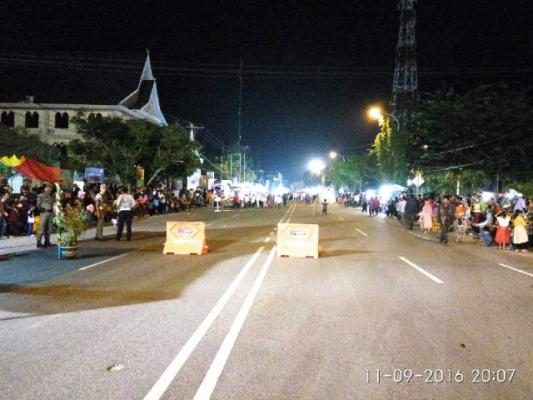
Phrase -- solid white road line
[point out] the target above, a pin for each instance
(516, 269)
(104, 261)
(361, 232)
(173, 369)
(217, 366)
(430, 276)
(341, 219)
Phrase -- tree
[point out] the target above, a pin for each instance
(488, 129)
(352, 171)
(391, 151)
(119, 146)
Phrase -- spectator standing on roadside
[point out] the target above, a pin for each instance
(30, 220)
(427, 215)
(445, 216)
(125, 204)
(3, 214)
(520, 237)
(45, 204)
(503, 231)
(411, 209)
(100, 211)
(520, 204)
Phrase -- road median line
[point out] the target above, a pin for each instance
(419, 269)
(177, 363)
(217, 366)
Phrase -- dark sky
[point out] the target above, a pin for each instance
(310, 67)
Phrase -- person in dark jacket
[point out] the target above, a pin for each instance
(446, 213)
(411, 210)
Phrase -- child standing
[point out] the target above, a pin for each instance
(503, 231)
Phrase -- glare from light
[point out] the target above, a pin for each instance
(333, 155)
(388, 191)
(375, 113)
(487, 196)
(316, 166)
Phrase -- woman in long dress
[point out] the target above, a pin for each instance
(520, 237)
(427, 214)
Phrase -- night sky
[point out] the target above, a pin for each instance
(310, 67)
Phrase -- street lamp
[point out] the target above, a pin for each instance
(376, 113)
(333, 154)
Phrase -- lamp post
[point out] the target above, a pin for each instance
(377, 113)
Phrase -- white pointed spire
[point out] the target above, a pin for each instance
(147, 74)
(153, 108)
(145, 100)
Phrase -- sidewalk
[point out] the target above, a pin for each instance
(20, 244)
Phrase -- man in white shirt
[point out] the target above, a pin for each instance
(125, 204)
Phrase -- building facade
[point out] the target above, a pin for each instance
(52, 123)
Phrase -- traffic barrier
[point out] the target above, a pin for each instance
(297, 240)
(185, 237)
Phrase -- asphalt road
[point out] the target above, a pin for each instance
(384, 313)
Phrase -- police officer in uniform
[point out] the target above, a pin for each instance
(100, 211)
(45, 203)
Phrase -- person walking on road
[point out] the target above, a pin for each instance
(100, 211)
(325, 207)
(45, 204)
(125, 204)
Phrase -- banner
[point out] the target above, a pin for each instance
(32, 168)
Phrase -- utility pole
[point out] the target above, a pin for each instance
(405, 82)
(244, 163)
(240, 104)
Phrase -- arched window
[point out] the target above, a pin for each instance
(32, 119)
(62, 120)
(8, 119)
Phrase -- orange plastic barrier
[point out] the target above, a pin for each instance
(185, 237)
(298, 240)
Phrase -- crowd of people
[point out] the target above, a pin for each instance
(25, 213)
(504, 221)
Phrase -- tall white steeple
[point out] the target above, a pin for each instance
(145, 100)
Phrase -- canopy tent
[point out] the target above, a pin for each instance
(31, 168)
(30, 157)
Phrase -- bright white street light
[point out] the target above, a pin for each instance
(316, 166)
(333, 155)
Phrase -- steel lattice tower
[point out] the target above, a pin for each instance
(405, 84)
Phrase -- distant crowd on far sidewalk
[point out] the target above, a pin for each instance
(504, 221)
